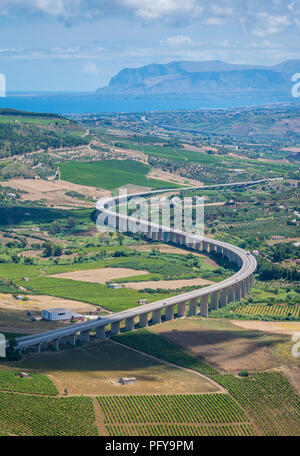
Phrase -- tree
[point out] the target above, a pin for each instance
(71, 223)
(54, 228)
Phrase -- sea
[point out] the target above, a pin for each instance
(85, 103)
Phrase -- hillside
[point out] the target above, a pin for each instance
(22, 132)
(210, 80)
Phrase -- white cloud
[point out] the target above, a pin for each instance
(222, 10)
(267, 24)
(154, 9)
(179, 40)
(215, 21)
(91, 68)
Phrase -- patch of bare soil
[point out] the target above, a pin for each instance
(223, 345)
(101, 275)
(37, 303)
(275, 327)
(95, 369)
(168, 284)
(157, 173)
(55, 192)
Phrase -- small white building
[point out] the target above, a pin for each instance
(59, 314)
(115, 285)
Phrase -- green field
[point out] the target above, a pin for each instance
(205, 414)
(26, 416)
(269, 399)
(110, 174)
(35, 384)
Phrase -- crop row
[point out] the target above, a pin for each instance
(46, 416)
(276, 310)
(35, 384)
(161, 347)
(181, 430)
(192, 408)
(269, 399)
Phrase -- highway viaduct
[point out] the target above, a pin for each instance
(194, 302)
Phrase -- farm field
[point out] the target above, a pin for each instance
(40, 302)
(269, 398)
(102, 275)
(223, 345)
(54, 192)
(168, 284)
(96, 368)
(35, 384)
(207, 414)
(110, 174)
(21, 415)
(273, 310)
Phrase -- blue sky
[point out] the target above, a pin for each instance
(78, 45)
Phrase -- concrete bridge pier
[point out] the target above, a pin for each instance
(231, 295)
(143, 320)
(219, 249)
(170, 312)
(204, 246)
(237, 292)
(214, 300)
(156, 317)
(181, 309)
(129, 324)
(197, 246)
(37, 348)
(72, 339)
(115, 328)
(55, 344)
(84, 336)
(223, 298)
(100, 332)
(193, 306)
(44, 345)
(204, 306)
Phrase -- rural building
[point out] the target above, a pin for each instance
(24, 375)
(143, 301)
(61, 314)
(57, 314)
(127, 381)
(115, 285)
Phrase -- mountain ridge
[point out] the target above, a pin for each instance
(207, 78)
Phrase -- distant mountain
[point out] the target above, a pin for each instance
(211, 80)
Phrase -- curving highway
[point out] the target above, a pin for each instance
(217, 295)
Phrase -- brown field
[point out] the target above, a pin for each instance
(95, 369)
(15, 321)
(159, 174)
(278, 327)
(41, 302)
(168, 284)
(227, 347)
(54, 192)
(101, 275)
